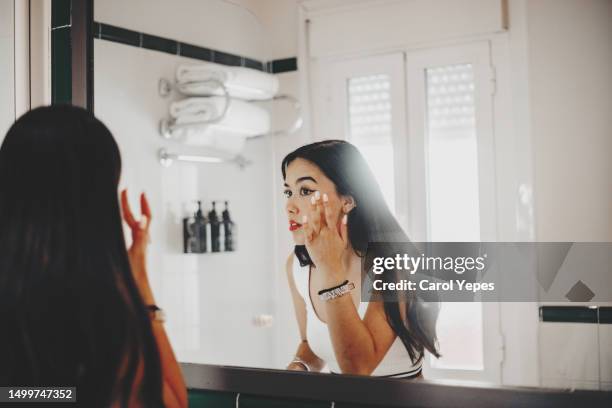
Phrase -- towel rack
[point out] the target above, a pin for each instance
(168, 126)
(166, 159)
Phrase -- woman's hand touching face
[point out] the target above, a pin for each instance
(316, 215)
(326, 239)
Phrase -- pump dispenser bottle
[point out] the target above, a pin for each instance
(194, 232)
(229, 230)
(213, 219)
(200, 227)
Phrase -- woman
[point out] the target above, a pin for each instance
(335, 208)
(74, 304)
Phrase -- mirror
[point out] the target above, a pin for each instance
(480, 126)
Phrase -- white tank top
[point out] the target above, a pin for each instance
(396, 363)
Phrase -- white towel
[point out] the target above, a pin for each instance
(241, 82)
(205, 108)
(212, 138)
(242, 118)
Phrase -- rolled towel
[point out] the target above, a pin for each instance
(241, 82)
(209, 137)
(242, 118)
(205, 108)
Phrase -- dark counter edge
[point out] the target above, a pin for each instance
(383, 392)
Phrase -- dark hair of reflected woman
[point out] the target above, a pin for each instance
(372, 221)
(70, 309)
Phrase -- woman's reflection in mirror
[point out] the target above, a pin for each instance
(334, 208)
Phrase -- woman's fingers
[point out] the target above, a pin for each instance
(314, 217)
(327, 212)
(145, 210)
(307, 227)
(344, 230)
(127, 212)
(128, 216)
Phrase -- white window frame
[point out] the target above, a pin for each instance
(391, 64)
(407, 75)
(478, 55)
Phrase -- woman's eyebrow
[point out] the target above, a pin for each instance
(300, 179)
(305, 178)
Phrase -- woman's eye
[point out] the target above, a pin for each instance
(305, 191)
(287, 193)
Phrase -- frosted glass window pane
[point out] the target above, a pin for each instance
(369, 120)
(452, 155)
(459, 330)
(452, 200)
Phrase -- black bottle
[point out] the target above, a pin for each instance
(213, 219)
(228, 229)
(194, 232)
(200, 227)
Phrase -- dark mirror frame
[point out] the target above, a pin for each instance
(317, 389)
(72, 50)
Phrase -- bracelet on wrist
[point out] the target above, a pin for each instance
(298, 360)
(336, 291)
(156, 313)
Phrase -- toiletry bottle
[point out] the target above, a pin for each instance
(200, 228)
(189, 235)
(194, 232)
(228, 229)
(213, 219)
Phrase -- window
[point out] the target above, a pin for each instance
(368, 108)
(423, 120)
(369, 120)
(453, 204)
(452, 154)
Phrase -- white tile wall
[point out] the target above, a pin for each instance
(569, 355)
(210, 299)
(605, 356)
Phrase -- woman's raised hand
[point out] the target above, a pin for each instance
(140, 234)
(326, 239)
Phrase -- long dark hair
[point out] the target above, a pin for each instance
(372, 221)
(70, 309)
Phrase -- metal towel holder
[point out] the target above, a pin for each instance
(168, 126)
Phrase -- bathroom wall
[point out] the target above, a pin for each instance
(571, 100)
(217, 24)
(280, 20)
(570, 61)
(210, 299)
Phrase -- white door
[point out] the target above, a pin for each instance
(452, 182)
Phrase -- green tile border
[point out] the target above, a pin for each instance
(253, 401)
(133, 38)
(568, 314)
(210, 399)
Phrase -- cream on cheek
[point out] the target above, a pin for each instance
(335, 207)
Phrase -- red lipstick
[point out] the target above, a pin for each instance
(294, 226)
